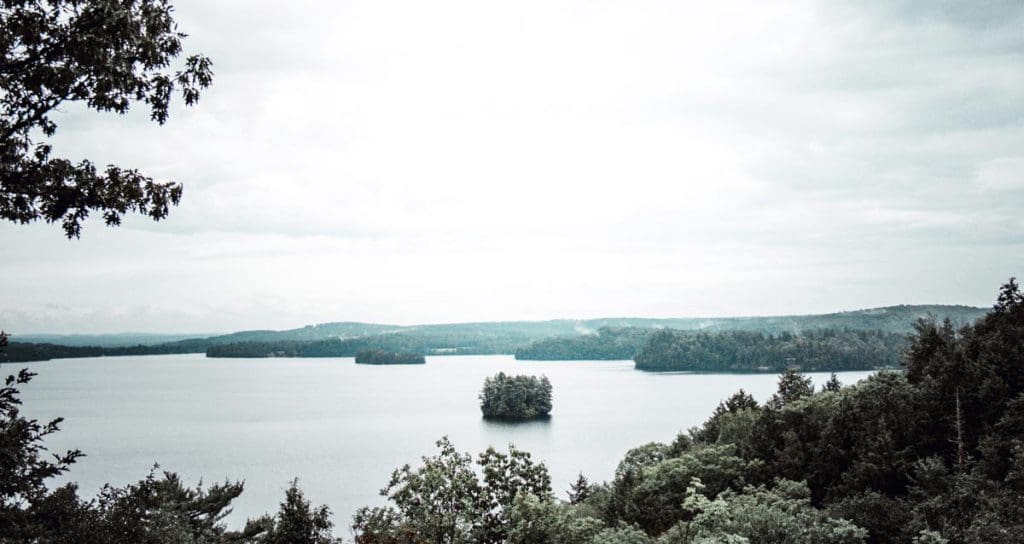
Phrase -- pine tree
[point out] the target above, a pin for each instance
(579, 490)
(833, 384)
(793, 385)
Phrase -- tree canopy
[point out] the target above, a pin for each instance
(515, 397)
(381, 357)
(742, 351)
(157, 509)
(107, 55)
(446, 501)
(610, 343)
(931, 455)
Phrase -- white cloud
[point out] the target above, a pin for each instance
(441, 161)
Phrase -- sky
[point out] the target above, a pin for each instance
(424, 162)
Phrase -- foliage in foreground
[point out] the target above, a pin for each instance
(106, 55)
(445, 500)
(160, 508)
(931, 455)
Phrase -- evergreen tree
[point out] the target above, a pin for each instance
(298, 522)
(833, 383)
(25, 463)
(579, 490)
(793, 385)
(515, 397)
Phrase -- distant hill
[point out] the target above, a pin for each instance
(898, 319)
(103, 340)
(21, 352)
(41, 347)
(346, 338)
(609, 344)
(567, 339)
(618, 339)
(343, 329)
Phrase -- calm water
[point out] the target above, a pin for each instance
(341, 428)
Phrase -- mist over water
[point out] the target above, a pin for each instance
(341, 428)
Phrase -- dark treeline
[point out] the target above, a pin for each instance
(899, 319)
(28, 351)
(653, 350)
(381, 357)
(548, 340)
(111, 340)
(19, 352)
(930, 455)
(420, 344)
(560, 338)
(828, 349)
(609, 344)
(74, 346)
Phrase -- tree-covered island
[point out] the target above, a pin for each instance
(381, 357)
(930, 455)
(933, 454)
(515, 397)
(558, 340)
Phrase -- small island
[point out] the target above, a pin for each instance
(515, 397)
(381, 357)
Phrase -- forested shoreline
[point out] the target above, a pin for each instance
(22, 352)
(449, 160)
(594, 339)
(728, 351)
(381, 357)
(930, 455)
(738, 351)
(349, 347)
(656, 350)
(608, 344)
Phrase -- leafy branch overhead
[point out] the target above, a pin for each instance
(109, 55)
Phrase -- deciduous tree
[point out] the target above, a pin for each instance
(107, 55)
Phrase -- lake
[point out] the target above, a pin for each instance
(341, 428)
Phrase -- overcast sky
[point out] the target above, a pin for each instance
(411, 162)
